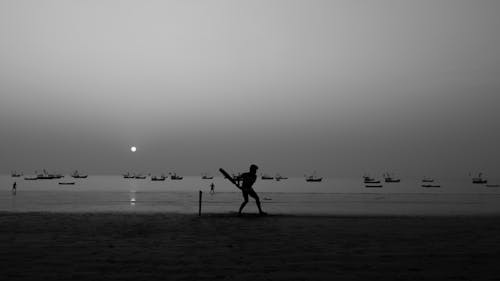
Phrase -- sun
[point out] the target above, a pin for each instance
(133, 149)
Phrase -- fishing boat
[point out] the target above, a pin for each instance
(44, 177)
(280, 177)
(430, 185)
(54, 176)
(174, 176)
(140, 177)
(160, 178)
(266, 177)
(206, 177)
(313, 178)
(390, 179)
(426, 179)
(479, 179)
(15, 174)
(49, 176)
(30, 178)
(77, 175)
(370, 180)
(128, 176)
(67, 183)
(374, 186)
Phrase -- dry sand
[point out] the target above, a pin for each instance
(121, 246)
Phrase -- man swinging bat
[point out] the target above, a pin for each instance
(247, 181)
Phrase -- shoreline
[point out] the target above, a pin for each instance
(280, 204)
(233, 214)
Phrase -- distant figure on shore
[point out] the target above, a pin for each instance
(248, 179)
(212, 188)
(14, 188)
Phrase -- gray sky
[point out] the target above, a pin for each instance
(341, 87)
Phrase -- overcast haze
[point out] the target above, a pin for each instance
(341, 87)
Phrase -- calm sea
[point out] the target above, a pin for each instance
(333, 196)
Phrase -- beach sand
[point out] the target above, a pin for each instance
(128, 246)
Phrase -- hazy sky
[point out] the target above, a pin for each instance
(341, 87)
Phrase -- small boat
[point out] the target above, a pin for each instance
(310, 179)
(77, 175)
(430, 185)
(493, 185)
(374, 186)
(15, 174)
(280, 177)
(30, 178)
(128, 176)
(67, 183)
(48, 176)
(313, 178)
(174, 176)
(368, 179)
(426, 179)
(479, 179)
(44, 177)
(266, 177)
(392, 180)
(140, 177)
(388, 178)
(155, 178)
(206, 177)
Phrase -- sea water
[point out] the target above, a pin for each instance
(333, 196)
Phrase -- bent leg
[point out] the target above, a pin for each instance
(257, 200)
(245, 201)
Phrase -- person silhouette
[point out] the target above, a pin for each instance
(14, 188)
(212, 190)
(247, 181)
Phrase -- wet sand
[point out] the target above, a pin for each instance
(128, 246)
